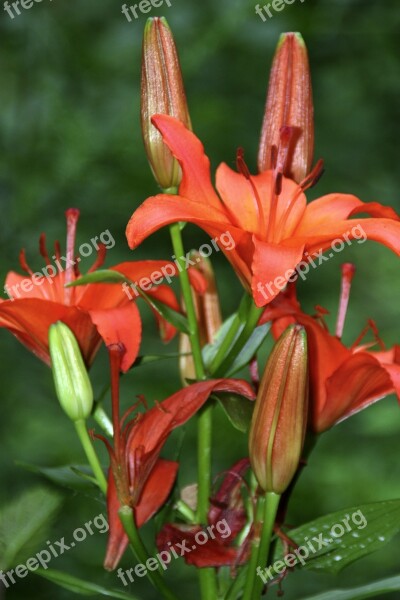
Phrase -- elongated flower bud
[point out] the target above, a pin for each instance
(162, 93)
(289, 104)
(279, 420)
(71, 378)
(208, 313)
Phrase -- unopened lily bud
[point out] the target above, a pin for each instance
(289, 104)
(208, 313)
(162, 92)
(71, 378)
(279, 420)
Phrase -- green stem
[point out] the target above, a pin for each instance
(253, 317)
(179, 252)
(253, 562)
(271, 508)
(208, 582)
(187, 513)
(237, 586)
(128, 521)
(91, 455)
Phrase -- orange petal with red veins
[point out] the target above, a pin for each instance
(272, 266)
(29, 320)
(189, 151)
(356, 384)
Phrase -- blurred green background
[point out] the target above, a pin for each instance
(70, 137)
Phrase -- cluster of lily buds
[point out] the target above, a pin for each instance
(289, 104)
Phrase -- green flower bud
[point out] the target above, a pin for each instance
(71, 378)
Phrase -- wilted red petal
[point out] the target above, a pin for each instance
(117, 538)
(156, 490)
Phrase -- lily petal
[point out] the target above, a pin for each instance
(29, 320)
(121, 324)
(272, 266)
(189, 151)
(156, 490)
(366, 382)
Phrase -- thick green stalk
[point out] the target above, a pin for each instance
(91, 455)
(255, 544)
(270, 510)
(179, 252)
(208, 583)
(127, 519)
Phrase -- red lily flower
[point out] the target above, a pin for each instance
(226, 509)
(94, 312)
(267, 216)
(138, 477)
(343, 380)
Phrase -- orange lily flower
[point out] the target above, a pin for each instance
(343, 380)
(94, 312)
(267, 215)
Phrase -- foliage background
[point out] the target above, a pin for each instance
(70, 135)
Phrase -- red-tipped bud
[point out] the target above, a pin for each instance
(279, 420)
(162, 92)
(208, 313)
(289, 104)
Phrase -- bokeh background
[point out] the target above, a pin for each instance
(70, 136)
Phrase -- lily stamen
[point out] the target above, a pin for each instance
(72, 215)
(348, 272)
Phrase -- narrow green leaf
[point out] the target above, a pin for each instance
(239, 410)
(346, 535)
(101, 276)
(24, 524)
(170, 315)
(249, 349)
(210, 350)
(151, 358)
(383, 586)
(79, 586)
(110, 276)
(75, 477)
